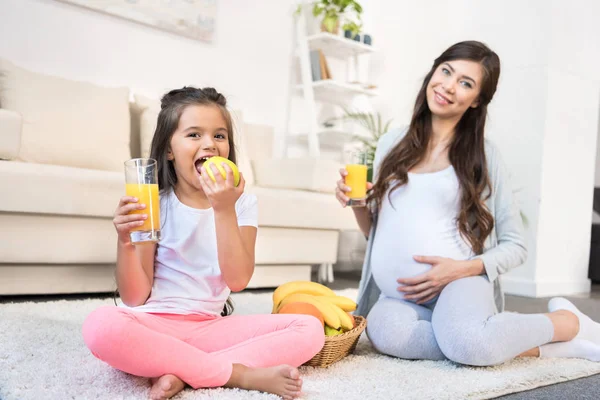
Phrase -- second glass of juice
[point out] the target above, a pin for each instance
(357, 179)
(141, 181)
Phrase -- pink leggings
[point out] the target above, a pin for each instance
(199, 350)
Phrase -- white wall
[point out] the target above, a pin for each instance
(248, 60)
(568, 166)
(544, 117)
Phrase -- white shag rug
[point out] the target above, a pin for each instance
(42, 355)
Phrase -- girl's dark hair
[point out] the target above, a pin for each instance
(467, 150)
(172, 105)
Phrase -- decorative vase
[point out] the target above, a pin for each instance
(367, 39)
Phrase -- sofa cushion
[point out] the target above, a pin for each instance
(11, 125)
(67, 122)
(301, 209)
(52, 189)
(242, 141)
(318, 175)
(149, 116)
(260, 140)
(149, 109)
(145, 102)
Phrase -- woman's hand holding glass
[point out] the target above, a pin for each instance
(341, 188)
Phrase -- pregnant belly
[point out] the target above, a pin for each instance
(392, 259)
(387, 271)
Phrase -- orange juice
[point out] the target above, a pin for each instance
(147, 194)
(356, 180)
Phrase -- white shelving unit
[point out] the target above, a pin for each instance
(331, 138)
(336, 92)
(337, 46)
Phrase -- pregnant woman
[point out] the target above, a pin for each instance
(442, 226)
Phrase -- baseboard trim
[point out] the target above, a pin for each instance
(529, 288)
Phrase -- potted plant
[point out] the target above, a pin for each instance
(374, 124)
(335, 12)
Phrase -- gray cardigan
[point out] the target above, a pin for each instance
(504, 248)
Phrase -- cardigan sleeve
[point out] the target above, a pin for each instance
(510, 250)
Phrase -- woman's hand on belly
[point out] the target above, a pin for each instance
(428, 285)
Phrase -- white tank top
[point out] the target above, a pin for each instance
(420, 220)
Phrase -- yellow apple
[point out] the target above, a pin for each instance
(217, 162)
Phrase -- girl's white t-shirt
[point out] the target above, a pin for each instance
(418, 219)
(187, 277)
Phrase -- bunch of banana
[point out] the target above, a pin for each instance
(333, 308)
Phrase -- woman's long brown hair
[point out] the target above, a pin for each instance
(466, 152)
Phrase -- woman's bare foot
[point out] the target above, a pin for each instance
(282, 380)
(165, 387)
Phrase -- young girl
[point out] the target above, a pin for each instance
(442, 226)
(174, 326)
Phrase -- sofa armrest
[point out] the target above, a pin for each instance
(10, 134)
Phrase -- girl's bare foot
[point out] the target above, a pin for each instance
(282, 380)
(165, 387)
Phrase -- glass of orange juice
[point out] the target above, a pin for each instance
(141, 181)
(357, 178)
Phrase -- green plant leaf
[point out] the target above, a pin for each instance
(317, 10)
(387, 127)
(369, 121)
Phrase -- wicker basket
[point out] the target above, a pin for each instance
(339, 346)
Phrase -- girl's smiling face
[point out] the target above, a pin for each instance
(201, 133)
(454, 87)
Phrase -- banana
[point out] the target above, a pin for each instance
(330, 315)
(342, 302)
(306, 287)
(345, 320)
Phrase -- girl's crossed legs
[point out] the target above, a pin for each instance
(257, 352)
(464, 327)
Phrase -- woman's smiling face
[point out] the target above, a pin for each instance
(454, 87)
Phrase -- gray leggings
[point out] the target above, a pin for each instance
(462, 326)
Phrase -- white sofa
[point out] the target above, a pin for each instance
(62, 148)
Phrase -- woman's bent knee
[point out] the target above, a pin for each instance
(393, 339)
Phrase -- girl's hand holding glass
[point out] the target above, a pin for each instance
(124, 221)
